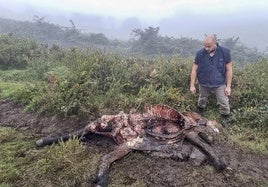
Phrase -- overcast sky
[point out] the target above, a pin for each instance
(149, 10)
(190, 18)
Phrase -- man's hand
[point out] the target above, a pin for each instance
(193, 78)
(192, 89)
(228, 91)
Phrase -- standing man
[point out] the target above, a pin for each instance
(213, 70)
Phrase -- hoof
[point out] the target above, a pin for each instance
(39, 143)
(219, 166)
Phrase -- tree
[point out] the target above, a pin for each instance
(229, 42)
(15, 53)
(146, 41)
(150, 42)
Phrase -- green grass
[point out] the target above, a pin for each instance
(16, 75)
(7, 89)
(66, 164)
(250, 139)
(12, 155)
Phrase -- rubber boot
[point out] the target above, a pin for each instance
(225, 120)
(201, 111)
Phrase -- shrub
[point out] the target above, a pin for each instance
(15, 53)
(87, 83)
(249, 98)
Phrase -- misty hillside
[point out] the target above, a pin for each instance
(146, 41)
(49, 33)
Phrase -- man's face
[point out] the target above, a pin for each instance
(210, 47)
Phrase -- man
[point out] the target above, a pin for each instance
(213, 70)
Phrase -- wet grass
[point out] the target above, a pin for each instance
(250, 139)
(7, 89)
(253, 140)
(66, 164)
(12, 156)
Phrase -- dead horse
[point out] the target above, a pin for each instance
(161, 130)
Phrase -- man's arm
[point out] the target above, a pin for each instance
(193, 78)
(229, 76)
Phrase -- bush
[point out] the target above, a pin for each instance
(31, 95)
(15, 53)
(249, 98)
(86, 83)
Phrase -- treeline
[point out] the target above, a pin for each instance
(145, 42)
(49, 33)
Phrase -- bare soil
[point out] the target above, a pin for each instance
(245, 168)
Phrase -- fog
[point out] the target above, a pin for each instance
(178, 18)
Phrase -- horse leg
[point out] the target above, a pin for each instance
(193, 138)
(106, 161)
(50, 140)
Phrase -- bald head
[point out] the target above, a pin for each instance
(210, 39)
(210, 43)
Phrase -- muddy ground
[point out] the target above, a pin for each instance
(244, 167)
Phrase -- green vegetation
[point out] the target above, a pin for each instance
(250, 96)
(63, 165)
(83, 82)
(90, 83)
(15, 53)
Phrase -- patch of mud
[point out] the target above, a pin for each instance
(244, 168)
(13, 115)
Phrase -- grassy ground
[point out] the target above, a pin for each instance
(64, 165)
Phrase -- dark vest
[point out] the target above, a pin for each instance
(211, 71)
